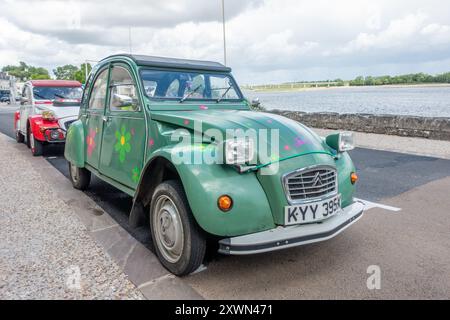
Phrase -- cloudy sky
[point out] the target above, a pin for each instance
(269, 41)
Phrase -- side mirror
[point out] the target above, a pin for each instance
(256, 103)
(24, 100)
(123, 102)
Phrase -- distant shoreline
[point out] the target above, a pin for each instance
(422, 85)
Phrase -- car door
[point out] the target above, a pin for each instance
(25, 108)
(93, 122)
(124, 135)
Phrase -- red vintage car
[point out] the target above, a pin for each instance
(48, 107)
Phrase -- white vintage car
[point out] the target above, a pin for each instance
(48, 107)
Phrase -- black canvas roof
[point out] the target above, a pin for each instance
(175, 63)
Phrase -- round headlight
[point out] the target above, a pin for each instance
(54, 135)
(239, 151)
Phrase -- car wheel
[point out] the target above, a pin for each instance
(80, 177)
(28, 137)
(19, 137)
(179, 242)
(37, 147)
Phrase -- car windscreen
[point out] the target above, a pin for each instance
(189, 85)
(54, 93)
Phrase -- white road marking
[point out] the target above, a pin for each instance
(370, 205)
(200, 269)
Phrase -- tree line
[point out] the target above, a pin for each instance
(415, 78)
(25, 72)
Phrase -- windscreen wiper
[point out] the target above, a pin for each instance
(39, 96)
(224, 94)
(190, 93)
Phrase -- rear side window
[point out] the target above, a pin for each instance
(98, 94)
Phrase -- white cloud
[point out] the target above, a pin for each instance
(268, 41)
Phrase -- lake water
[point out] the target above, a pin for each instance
(418, 101)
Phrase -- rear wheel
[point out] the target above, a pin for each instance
(80, 177)
(179, 242)
(37, 147)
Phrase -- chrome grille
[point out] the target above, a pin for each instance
(310, 184)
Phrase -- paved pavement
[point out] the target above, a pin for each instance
(409, 246)
(45, 251)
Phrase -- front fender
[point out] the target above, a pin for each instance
(204, 184)
(75, 144)
(16, 120)
(38, 126)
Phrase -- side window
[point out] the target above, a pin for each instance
(98, 93)
(123, 95)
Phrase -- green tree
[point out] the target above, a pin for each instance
(359, 81)
(66, 72)
(80, 75)
(26, 72)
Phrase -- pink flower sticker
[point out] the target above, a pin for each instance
(299, 142)
(90, 140)
(151, 143)
(203, 107)
(287, 148)
(186, 122)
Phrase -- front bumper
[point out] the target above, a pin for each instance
(288, 237)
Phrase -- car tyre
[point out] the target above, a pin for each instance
(19, 137)
(28, 143)
(80, 177)
(179, 242)
(37, 147)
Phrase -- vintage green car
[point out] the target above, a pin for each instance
(202, 167)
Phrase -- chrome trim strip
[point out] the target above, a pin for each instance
(293, 236)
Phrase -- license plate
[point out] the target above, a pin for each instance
(312, 212)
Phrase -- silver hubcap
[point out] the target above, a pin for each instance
(74, 172)
(168, 229)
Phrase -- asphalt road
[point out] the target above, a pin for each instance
(410, 247)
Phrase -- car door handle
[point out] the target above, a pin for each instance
(106, 119)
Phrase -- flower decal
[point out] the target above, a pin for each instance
(90, 141)
(123, 145)
(299, 142)
(135, 174)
